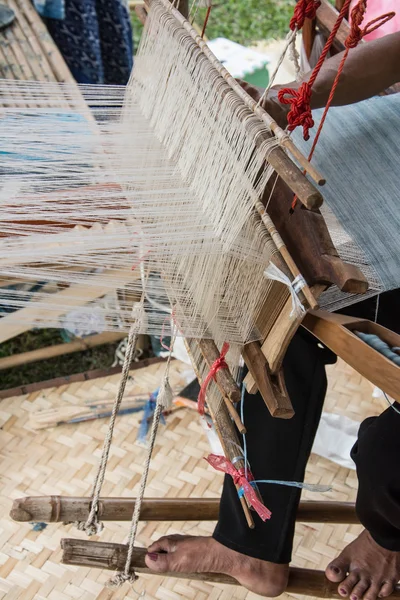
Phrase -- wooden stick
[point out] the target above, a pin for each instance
(226, 384)
(336, 332)
(50, 50)
(279, 243)
(39, 386)
(55, 509)
(105, 555)
(78, 345)
(289, 172)
(226, 433)
(271, 388)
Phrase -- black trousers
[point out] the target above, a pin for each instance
(279, 449)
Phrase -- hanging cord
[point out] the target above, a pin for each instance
(92, 525)
(206, 21)
(304, 9)
(300, 112)
(164, 402)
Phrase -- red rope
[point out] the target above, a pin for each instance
(355, 36)
(300, 113)
(304, 9)
(216, 366)
(206, 21)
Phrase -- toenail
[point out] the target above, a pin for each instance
(353, 597)
(343, 591)
(335, 569)
(153, 556)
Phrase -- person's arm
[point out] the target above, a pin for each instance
(369, 69)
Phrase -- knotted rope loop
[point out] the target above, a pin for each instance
(120, 578)
(300, 112)
(304, 9)
(218, 364)
(220, 463)
(357, 15)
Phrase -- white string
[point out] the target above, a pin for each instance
(290, 41)
(93, 526)
(164, 402)
(295, 286)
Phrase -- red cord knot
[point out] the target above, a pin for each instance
(300, 112)
(304, 9)
(216, 366)
(220, 463)
(357, 16)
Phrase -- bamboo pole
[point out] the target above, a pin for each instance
(105, 555)
(55, 509)
(78, 345)
(226, 434)
(224, 380)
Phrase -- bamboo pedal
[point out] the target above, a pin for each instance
(271, 387)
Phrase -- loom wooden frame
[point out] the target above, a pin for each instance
(113, 556)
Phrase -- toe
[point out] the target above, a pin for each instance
(372, 592)
(166, 543)
(359, 589)
(158, 562)
(386, 589)
(337, 570)
(346, 587)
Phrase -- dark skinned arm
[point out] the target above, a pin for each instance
(370, 68)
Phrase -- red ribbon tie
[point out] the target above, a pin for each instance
(216, 366)
(220, 463)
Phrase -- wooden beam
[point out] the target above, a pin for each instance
(271, 387)
(336, 332)
(54, 509)
(76, 295)
(78, 345)
(105, 555)
(68, 379)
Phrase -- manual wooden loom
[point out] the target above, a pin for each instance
(263, 364)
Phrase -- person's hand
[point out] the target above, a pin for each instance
(271, 105)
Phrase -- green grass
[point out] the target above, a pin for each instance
(100, 357)
(242, 21)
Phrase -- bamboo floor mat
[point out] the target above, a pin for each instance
(27, 51)
(62, 460)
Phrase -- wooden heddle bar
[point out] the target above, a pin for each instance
(105, 555)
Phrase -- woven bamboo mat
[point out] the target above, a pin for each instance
(27, 50)
(62, 460)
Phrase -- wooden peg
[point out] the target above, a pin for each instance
(271, 387)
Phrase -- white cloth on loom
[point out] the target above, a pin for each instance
(358, 153)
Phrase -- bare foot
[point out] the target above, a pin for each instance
(187, 554)
(365, 570)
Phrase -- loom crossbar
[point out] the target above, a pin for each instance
(110, 556)
(56, 509)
